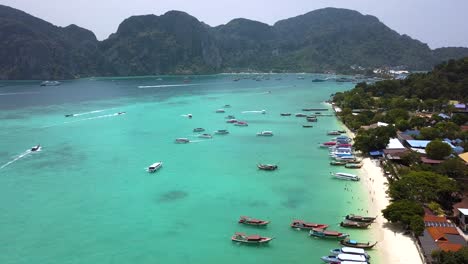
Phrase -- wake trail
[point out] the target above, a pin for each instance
(91, 112)
(5, 94)
(253, 111)
(168, 85)
(92, 118)
(22, 155)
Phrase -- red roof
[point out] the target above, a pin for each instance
(464, 128)
(449, 246)
(434, 218)
(430, 161)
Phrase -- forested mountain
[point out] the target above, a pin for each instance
(321, 40)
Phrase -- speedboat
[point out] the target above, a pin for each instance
(205, 136)
(231, 121)
(250, 239)
(198, 129)
(221, 132)
(36, 148)
(252, 221)
(345, 176)
(318, 232)
(344, 257)
(353, 165)
(308, 226)
(69, 115)
(350, 250)
(155, 166)
(182, 140)
(263, 112)
(230, 117)
(121, 113)
(50, 83)
(300, 115)
(241, 123)
(220, 111)
(189, 116)
(269, 167)
(265, 134)
(285, 114)
(227, 106)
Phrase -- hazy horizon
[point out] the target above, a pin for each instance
(434, 22)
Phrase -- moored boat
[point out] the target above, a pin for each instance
(182, 140)
(300, 115)
(358, 218)
(350, 250)
(312, 119)
(345, 176)
(69, 115)
(337, 163)
(155, 166)
(252, 221)
(231, 121)
(50, 83)
(354, 224)
(355, 244)
(308, 226)
(285, 114)
(350, 165)
(198, 129)
(36, 148)
(205, 136)
(321, 233)
(230, 117)
(344, 257)
(333, 133)
(268, 167)
(220, 111)
(241, 123)
(265, 133)
(227, 106)
(307, 126)
(250, 239)
(221, 132)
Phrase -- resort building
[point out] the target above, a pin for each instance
(463, 218)
(464, 157)
(439, 234)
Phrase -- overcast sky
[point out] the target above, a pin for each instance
(436, 22)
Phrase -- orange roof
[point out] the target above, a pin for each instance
(449, 246)
(434, 218)
(436, 234)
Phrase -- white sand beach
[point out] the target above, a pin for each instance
(393, 246)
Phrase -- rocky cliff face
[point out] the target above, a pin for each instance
(177, 43)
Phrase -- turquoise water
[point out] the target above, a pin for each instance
(86, 197)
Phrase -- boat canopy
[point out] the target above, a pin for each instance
(352, 250)
(351, 257)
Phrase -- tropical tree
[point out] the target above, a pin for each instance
(438, 150)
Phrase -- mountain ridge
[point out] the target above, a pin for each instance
(329, 39)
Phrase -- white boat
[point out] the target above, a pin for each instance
(350, 250)
(182, 140)
(36, 148)
(265, 133)
(50, 83)
(220, 111)
(205, 136)
(221, 132)
(155, 166)
(263, 112)
(345, 176)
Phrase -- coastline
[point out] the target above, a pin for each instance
(393, 246)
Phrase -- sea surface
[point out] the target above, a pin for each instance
(86, 196)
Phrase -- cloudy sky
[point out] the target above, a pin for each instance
(436, 22)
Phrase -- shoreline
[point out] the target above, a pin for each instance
(393, 246)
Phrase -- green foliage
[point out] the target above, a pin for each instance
(395, 115)
(417, 225)
(450, 257)
(374, 139)
(453, 168)
(438, 150)
(403, 125)
(429, 133)
(423, 187)
(404, 212)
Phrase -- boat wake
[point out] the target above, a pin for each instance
(254, 112)
(89, 113)
(22, 155)
(167, 85)
(5, 94)
(95, 117)
(197, 141)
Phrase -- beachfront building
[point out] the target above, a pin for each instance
(394, 150)
(439, 234)
(420, 145)
(464, 157)
(463, 219)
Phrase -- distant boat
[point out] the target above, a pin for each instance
(265, 134)
(221, 132)
(300, 115)
(205, 136)
(250, 239)
(241, 123)
(354, 224)
(268, 167)
(307, 126)
(230, 117)
(36, 148)
(353, 165)
(312, 119)
(50, 83)
(227, 106)
(285, 114)
(231, 121)
(355, 244)
(338, 163)
(334, 133)
(319, 80)
(189, 116)
(155, 166)
(220, 111)
(182, 140)
(305, 225)
(263, 112)
(358, 218)
(69, 115)
(350, 250)
(198, 129)
(252, 221)
(321, 233)
(344, 257)
(346, 176)
(300, 78)
(121, 113)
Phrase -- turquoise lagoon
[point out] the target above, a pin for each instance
(86, 197)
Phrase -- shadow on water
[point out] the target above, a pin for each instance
(257, 204)
(172, 196)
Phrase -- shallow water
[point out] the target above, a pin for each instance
(86, 197)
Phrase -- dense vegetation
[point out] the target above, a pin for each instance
(450, 257)
(328, 39)
(414, 103)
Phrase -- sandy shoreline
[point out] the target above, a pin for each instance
(393, 246)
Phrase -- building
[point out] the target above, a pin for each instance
(463, 218)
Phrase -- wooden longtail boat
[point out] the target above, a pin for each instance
(337, 163)
(354, 224)
(250, 239)
(353, 165)
(304, 225)
(318, 232)
(252, 221)
(353, 243)
(358, 218)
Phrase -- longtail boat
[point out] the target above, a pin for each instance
(252, 221)
(304, 225)
(250, 239)
(337, 163)
(353, 243)
(353, 165)
(358, 218)
(354, 224)
(318, 232)
(268, 167)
